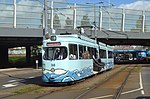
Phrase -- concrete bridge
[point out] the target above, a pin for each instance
(22, 24)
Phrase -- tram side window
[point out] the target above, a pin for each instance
(102, 53)
(73, 51)
(92, 52)
(110, 54)
(82, 50)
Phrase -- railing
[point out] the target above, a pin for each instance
(29, 14)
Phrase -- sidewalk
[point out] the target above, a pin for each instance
(16, 71)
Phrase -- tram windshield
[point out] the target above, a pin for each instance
(55, 53)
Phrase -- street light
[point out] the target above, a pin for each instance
(94, 23)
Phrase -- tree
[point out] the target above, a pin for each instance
(56, 22)
(139, 25)
(85, 21)
(48, 22)
(69, 24)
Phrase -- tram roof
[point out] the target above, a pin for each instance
(75, 37)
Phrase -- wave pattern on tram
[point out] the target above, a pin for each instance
(60, 75)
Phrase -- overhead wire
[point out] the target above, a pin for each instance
(104, 30)
(116, 25)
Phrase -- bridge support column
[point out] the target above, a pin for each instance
(3, 56)
(28, 55)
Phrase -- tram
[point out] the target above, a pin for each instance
(72, 57)
(131, 56)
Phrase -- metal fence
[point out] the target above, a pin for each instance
(29, 14)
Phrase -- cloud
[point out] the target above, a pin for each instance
(138, 5)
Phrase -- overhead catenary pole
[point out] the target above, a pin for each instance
(74, 17)
(52, 15)
(100, 18)
(95, 33)
(109, 16)
(45, 18)
(94, 23)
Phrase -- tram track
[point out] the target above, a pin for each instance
(118, 91)
(68, 87)
(85, 90)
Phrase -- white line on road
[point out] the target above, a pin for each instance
(141, 88)
(142, 92)
(141, 84)
(10, 85)
(31, 77)
(12, 80)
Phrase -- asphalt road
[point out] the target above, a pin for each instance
(16, 78)
(137, 87)
(146, 81)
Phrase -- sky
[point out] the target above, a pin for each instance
(129, 4)
(114, 2)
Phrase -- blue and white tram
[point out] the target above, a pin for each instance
(67, 58)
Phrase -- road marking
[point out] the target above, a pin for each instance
(12, 80)
(142, 92)
(141, 88)
(131, 91)
(31, 77)
(10, 85)
(141, 84)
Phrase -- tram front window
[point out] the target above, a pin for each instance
(55, 53)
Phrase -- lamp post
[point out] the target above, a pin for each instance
(94, 23)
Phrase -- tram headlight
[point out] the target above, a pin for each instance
(53, 38)
(52, 70)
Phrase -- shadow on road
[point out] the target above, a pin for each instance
(143, 97)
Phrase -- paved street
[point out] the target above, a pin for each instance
(146, 81)
(137, 86)
(18, 77)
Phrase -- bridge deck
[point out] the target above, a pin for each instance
(18, 19)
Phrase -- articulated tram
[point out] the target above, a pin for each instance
(69, 58)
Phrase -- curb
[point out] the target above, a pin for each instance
(8, 69)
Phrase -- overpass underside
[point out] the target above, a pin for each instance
(143, 42)
(10, 42)
(29, 37)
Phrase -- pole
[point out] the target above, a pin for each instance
(52, 15)
(95, 33)
(109, 15)
(14, 14)
(37, 62)
(45, 17)
(100, 21)
(74, 17)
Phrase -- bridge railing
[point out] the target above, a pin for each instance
(29, 14)
(23, 14)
